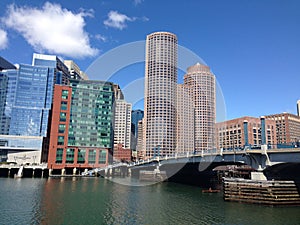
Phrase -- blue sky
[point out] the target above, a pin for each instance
(252, 46)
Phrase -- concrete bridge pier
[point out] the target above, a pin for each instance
(33, 170)
(74, 171)
(63, 171)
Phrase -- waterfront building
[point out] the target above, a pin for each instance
(122, 123)
(298, 107)
(160, 94)
(236, 134)
(82, 121)
(81, 130)
(287, 128)
(136, 116)
(61, 71)
(202, 91)
(185, 120)
(27, 92)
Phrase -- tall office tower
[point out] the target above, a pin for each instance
(61, 71)
(81, 128)
(185, 120)
(160, 94)
(74, 70)
(122, 123)
(28, 101)
(298, 107)
(24, 118)
(201, 84)
(136, 116)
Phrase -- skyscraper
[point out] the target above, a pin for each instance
(136, 116)
(201, 83)
(122, 123)
(160, 94)
(185, 120)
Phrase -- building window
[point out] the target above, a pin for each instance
(70, 155)
(64, 106)
(61, 140)
(59, 155)
(92, 156)
(102, 157)
(63, 117)
(81, 156)
(61, 128)
(64, 94)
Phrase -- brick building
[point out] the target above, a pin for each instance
(245, 131)
(81, 129)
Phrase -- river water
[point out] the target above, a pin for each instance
(101, 201)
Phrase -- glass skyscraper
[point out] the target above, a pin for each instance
(28, 100)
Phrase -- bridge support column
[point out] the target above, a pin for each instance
(50, 172)
(43, 173)
(8, 172)
(63, 172)
(129, 172)
(74, 171)
(33, 170)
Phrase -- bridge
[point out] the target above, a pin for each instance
(274, 163)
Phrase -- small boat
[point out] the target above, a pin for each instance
(210, 190)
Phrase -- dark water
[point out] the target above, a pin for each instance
(100, 201)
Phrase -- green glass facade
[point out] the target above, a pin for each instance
(91, 114)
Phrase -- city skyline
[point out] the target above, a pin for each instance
(249, 46)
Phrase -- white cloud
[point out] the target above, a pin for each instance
(100, 37)
(51, 28)
(3, 39)
(117, 20)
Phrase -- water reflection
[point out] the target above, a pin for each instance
(100, 201)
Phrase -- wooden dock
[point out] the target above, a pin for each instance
(273, 192)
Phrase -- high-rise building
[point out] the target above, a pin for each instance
(160, 94)
(298, 107)
(25, 114)
(61, 71)
(287, 128)
(185, 120)
(201, 84)
(136, 116)
(140, 150)
(82, 125)
(28, 101)
(122, 123)
(236, 134)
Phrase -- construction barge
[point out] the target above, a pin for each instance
(267, 192)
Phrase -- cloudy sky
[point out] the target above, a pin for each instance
(252, 47)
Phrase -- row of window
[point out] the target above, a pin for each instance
(81, 156)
